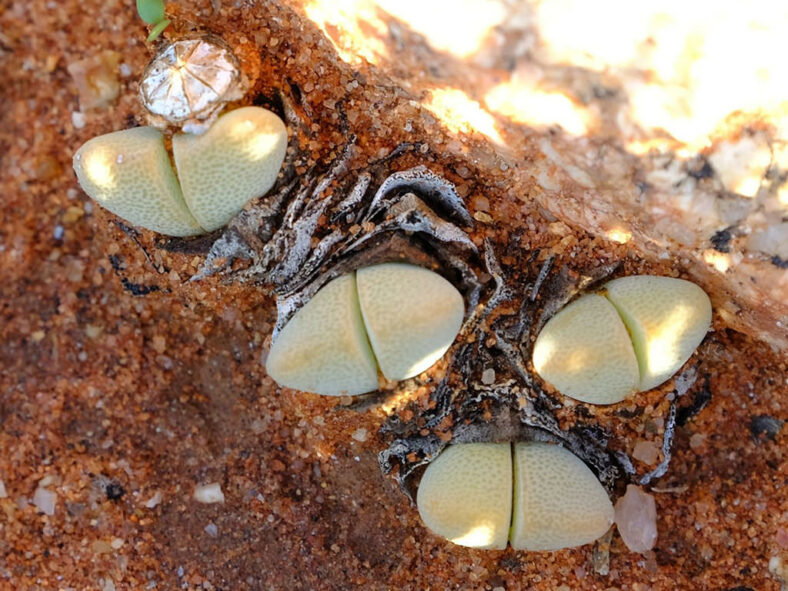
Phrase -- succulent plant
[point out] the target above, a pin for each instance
(633, 337)
(152, 12)
(537, 496)
(129, 172)
(400, 317)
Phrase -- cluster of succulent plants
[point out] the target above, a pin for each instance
(388, 281)
(466, 493)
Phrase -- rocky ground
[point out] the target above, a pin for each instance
(124, 387)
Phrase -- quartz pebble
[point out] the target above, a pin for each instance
(646, 452)
(96, 79)
(78, 119)
(209, 493)
(44, 499)
(696, 441)
(3, 493)
(636, 519)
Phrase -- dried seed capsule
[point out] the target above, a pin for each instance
(412, 316)
(584, 351)
(465, 495)
(558, 502)
(587, 350)
(324, 347)
(409, 314)
(667, 319)
(129, 173)
(191, 79)
(236, 160)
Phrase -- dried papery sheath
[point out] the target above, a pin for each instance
(190, 80)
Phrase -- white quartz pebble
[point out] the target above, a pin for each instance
(45, 500)
(636, 519)
(209, 493)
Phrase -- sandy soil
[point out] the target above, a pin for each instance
(123, 386)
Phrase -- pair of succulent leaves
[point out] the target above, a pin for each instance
(238, 159)
(398, 317)
(537, 496)
(630, 336)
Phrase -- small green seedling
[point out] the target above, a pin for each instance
(542, 497)
(152, 12)
(630, 337)
(129, 172)
(398, 317)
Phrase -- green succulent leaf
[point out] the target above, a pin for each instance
(151, 11)
(158, 29)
